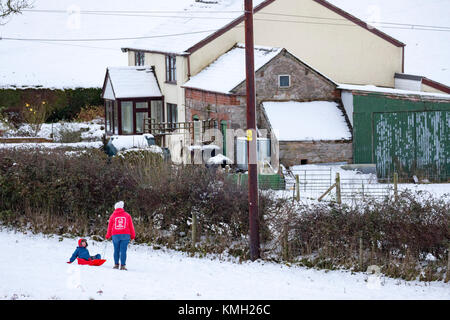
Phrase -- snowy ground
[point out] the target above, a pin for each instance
(91, 135)
(34, 267)
(316, 178)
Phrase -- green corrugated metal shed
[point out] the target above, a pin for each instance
(408, 134)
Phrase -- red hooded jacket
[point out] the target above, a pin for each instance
(120, 222)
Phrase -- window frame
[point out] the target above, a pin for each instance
(171, 68)
(172, 113)
(139, 58)
(279, 81)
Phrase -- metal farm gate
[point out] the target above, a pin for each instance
(412, 143)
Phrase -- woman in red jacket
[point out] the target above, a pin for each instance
(121, 229)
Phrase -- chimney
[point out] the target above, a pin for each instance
(409, 82)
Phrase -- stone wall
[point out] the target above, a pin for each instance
(306, 85)
(293, 152)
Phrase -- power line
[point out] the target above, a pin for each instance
(111, 39)
(133, 11)
(343, 19)
(400, 26)
(151, 14)
(411, 27)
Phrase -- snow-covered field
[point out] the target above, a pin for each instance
(34, 267)
(73, 64)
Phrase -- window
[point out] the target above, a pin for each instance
(127, 117)
(171, 69)
(109, 116)
(139, 58)
(284, 81)
(197, 129)
(116, 118)
(172, 115)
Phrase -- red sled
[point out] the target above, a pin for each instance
(95, 262)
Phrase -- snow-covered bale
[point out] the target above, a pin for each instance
(218, 160)
(121, 143)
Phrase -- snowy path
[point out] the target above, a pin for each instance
(33, 267)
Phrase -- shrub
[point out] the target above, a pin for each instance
(66, 135)
(90, 113)
(57, 193)
(397, 236)
(74, 193)
(62, 104)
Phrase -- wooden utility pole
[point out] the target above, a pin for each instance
(252, 136)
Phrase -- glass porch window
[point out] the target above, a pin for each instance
(108, 116)
(116, 118)
(127, 117)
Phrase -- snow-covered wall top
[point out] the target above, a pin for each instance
(306, 121)
(370, 88)
(228, 70)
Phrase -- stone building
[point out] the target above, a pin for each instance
(218, 92)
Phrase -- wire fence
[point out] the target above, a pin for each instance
(324, 184)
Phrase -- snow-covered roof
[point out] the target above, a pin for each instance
(305, 121)
(228, 71)
(131, 82)
(197, 22)
(372, 88)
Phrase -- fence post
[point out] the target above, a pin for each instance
(297, 188)
(360, 253)
(239, 179)
(447, 278)
(396, 186)
(194, 229)
(286, 242)
(338, 188)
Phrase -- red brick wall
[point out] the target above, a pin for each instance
(212, 105)
(212, 97)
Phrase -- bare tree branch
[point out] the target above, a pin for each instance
(11, 7)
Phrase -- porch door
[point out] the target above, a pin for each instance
(141, 114)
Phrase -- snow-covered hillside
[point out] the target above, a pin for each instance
(34, 267)
(83, 64)
(73, 64)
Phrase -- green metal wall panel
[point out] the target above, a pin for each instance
(432, 147)
(394, 142)
(409, 136)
